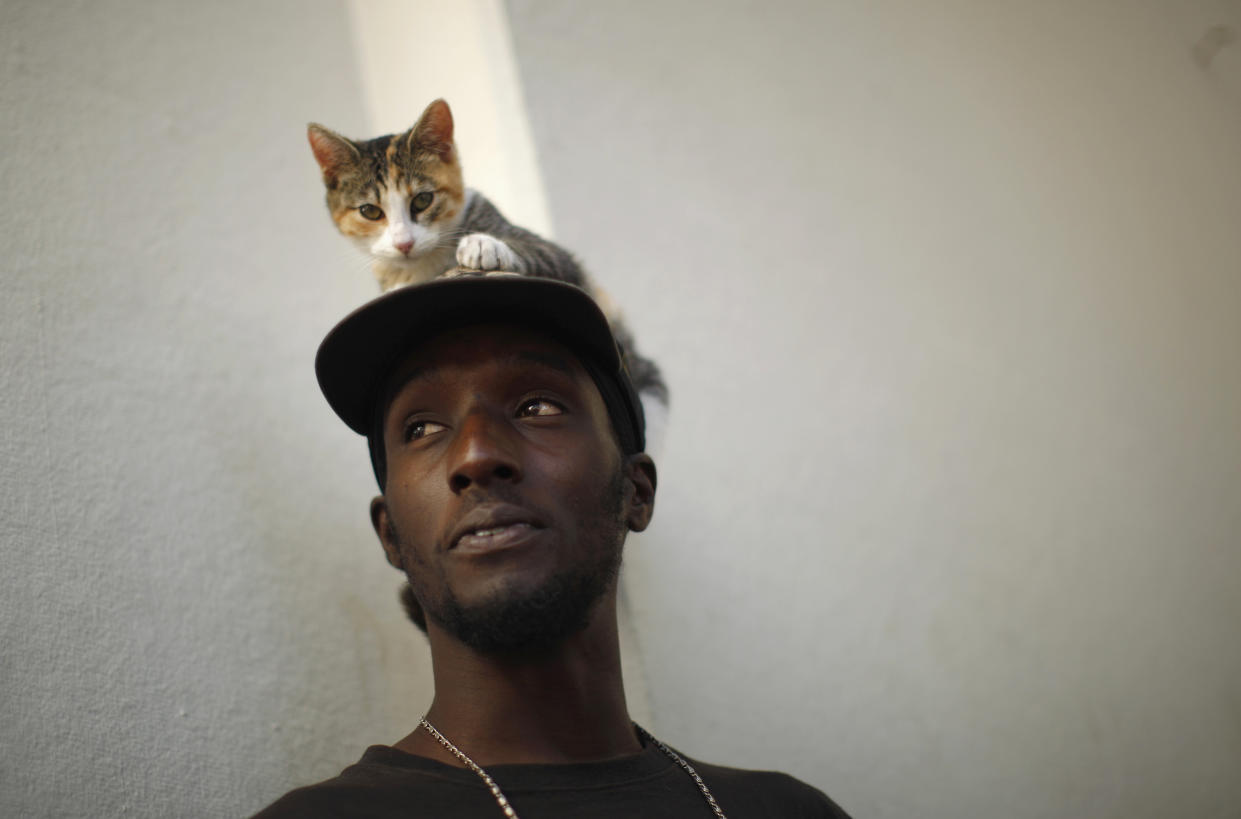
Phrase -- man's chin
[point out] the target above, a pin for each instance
(525, 621)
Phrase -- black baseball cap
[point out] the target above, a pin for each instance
(357, 355)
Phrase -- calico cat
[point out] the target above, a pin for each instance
(401, 199)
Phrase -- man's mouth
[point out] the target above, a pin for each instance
(498, 530)
(492, 528)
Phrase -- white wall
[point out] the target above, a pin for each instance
(949, 297)
(950, 304)
(197, 617)
(196, 614)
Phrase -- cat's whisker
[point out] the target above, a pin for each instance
(450, 237)
(348, 261)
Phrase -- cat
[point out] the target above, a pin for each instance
(401, 199)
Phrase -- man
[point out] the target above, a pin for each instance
(508, 445)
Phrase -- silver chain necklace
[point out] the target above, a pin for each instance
(503, 802)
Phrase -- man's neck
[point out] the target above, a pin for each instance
(566, 706)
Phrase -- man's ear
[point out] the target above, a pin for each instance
(385, 530)
(640, 470)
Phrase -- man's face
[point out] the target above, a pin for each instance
(507, 499)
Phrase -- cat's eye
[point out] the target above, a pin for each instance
(421, 202)
(371, 212)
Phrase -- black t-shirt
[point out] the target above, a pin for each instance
(387, 783)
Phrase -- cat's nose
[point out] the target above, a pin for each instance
(405, 246)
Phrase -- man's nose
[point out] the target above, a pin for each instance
(484, 451)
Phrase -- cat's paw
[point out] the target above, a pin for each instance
(482, 251)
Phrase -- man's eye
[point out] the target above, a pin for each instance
(371, 212)
(421, 429)
(538, 407)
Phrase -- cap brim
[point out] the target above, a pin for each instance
(357, 354)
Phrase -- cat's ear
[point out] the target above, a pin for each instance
(433, 132)
(332, 151)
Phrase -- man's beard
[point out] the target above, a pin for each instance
(534, 622)
(531, 623)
